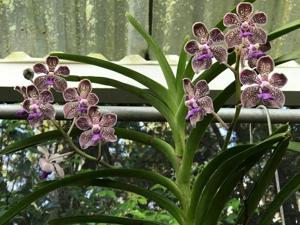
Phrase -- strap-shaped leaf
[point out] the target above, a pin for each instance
(101, 219)
(155, 87)
(294, 146)
(145, 94)
(180, 72)
(15, 208)
(225, 169)
(165, 67)
(263, 182)
(287, 57)
(30, 141)
(210, 168)
(287, 28)
(290, 188)
(219, 200)
(157, 143)
(221, 197)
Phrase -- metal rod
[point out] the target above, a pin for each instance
(147, 113)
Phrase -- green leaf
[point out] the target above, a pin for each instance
(294, 146)
(265, 178)
(157, 143)
(79, 179)
(287, 57)
(219, 200)
(180, 73)
(228, 167)
(167, 71)
(287, 28)
(155, 87)
(290, 188)
(145, 94)
(31, 141)
(203, 177)
(101, 219)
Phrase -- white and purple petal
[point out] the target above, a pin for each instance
(108, 120)
(94, 114)
(192, 47)
(278, 80)
(70, 94)
(249, 97)
(188, 88)
(206, 103)
(216, 35)
(59, 83)
(108, 134)
(244, 10)
(92, 99)
(71, 110)
(258, 35)
(32, 92)
(265, 65)
(201, 89)
(201, 62)
(277, 98)
(231, 20)
(40, 68)
(62, 71)
(41, 82)
(46, 96)
(83, 123)
(259, 18)
(219, 53)
(84, 88)
(52, 62)
(200, 31)
(233, 38)
(48, 111)
(248, 77)
(86, 139)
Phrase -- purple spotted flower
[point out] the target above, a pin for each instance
(36, 105)
(252, 52)
(207, 46)
(78, 100)
(49, 163)
(245, 26)
(262, 88)
(197, 101)
(51, 77)
(97, 127)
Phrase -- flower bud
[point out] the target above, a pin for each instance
(28, 74)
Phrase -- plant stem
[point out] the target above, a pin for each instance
(76, 149)
(237, 97)
(71, 127)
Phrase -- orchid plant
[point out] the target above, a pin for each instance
(193, 199)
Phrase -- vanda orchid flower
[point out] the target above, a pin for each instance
(52, 77)
(49, 163)
(245, 25)
(98, 127)
(207, 46)
(197, 101)
(260, 88)
(36, 105)
(252, 52)
(78, 100)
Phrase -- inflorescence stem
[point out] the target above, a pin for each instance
(76, 149)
